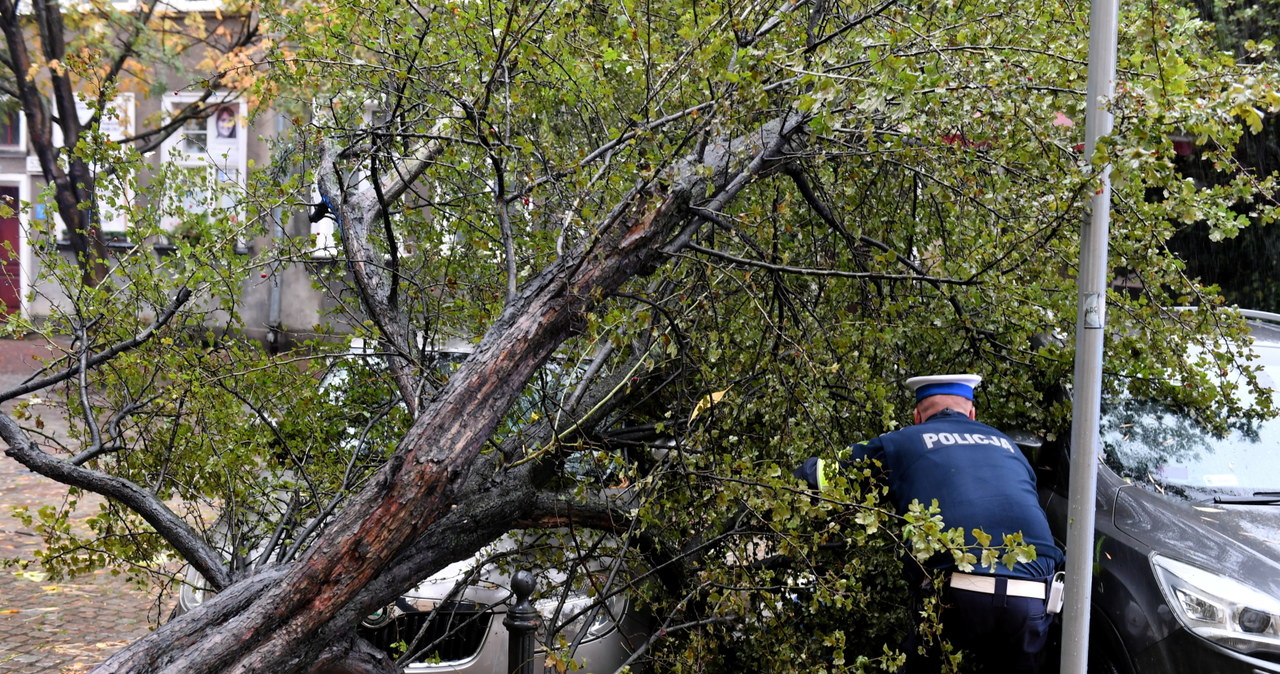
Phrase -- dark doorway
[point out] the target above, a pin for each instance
(10, 241)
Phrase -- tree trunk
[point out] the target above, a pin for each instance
(71, 191)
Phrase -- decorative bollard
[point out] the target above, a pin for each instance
(521, 622)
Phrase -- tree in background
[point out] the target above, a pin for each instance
(694, 242)
(57, 62)
(1243, 262)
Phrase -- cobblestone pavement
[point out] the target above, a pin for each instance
(54, 626)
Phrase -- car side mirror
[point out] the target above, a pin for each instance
(1047, 459)
(1032, 445)
(1026, 440)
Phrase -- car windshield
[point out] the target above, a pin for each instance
(1169, 451)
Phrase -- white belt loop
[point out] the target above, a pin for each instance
(1032, 589)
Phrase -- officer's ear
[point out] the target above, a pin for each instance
(915, 416)
(973, 413)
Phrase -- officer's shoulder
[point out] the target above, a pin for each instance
(989, 426)
(856, 447)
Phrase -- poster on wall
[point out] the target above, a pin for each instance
(224, 135)
(225, 123)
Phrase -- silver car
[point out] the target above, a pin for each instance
(453, 621)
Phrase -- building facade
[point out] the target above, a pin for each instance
(216, 149)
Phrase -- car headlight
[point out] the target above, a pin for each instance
(381, 617)
(1220, 609)
(192, 591)
(582, 614)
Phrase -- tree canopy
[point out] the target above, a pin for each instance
(725, 231)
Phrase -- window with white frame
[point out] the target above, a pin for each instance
(214, 138)
(116, 123)
(12, 137)
(212, 148)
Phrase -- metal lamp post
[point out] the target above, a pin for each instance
(1090, 328)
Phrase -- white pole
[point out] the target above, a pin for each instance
(1090, 324)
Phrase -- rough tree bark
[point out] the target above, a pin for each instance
(386, 539)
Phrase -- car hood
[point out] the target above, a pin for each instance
(484, 580)
(1238, 541)
(470, 581)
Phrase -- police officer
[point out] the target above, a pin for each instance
(981, 481)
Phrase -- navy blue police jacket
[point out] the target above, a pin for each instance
(979, 477)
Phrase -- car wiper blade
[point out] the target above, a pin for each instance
(1259, 498)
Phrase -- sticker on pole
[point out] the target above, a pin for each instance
(1094, 311)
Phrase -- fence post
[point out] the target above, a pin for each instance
(521, 622)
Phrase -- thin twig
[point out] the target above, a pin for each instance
(850, 26)
(839, 273)
(179, 299)
(174, 530)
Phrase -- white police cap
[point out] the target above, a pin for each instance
(944, 384)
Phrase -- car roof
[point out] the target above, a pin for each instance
(1265, 329)
(1265, 335)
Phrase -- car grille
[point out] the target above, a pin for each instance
(454, 634)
